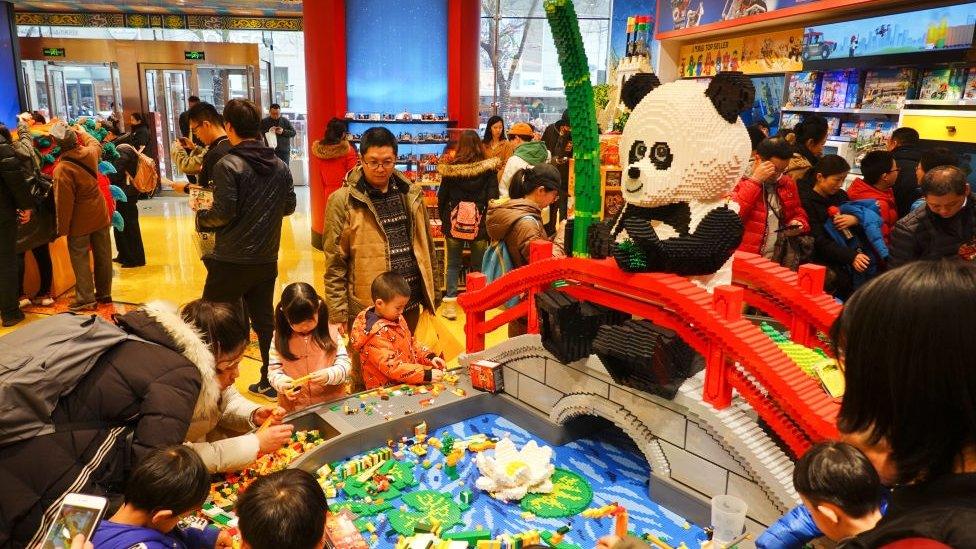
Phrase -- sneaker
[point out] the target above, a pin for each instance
(23, 301)
(106, 299)
(43, 300)
(449, 310)
(132, 265)
(263, 390)
(13, 321)
(83, 307)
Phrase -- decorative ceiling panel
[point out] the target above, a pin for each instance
(244, 8)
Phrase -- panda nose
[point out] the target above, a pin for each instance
(633, 172)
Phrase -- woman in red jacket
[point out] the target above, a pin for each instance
(336, 157)
(769, 204)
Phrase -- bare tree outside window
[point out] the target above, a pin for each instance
(504, 43)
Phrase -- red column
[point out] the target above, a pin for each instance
(463, 33)
(325, 79)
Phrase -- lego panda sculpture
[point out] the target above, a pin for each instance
(683, 149)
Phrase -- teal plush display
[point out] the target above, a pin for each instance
(117, 221)
(118, 194)
(109, 152)
(106, 167)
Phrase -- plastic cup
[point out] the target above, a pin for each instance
(728, 518)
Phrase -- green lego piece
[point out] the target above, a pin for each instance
(472, 537)
(573, 64)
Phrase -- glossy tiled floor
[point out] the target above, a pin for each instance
(174, 272)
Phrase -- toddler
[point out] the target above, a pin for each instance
(307, 365)
(167, 484)
(842, 497)
(387, 350)
(286, 509)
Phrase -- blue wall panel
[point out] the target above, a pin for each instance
(9, 71)
(396, 55)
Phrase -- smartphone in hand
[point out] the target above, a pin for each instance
(78, 514)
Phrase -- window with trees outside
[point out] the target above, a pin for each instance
(520, 76)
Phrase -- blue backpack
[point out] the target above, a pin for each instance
(497, 263)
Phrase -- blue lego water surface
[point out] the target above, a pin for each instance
(615, 469)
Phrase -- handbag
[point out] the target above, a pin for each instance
(791, 251)
(40, 187)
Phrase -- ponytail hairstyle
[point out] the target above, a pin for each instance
(299, 303)
(221, 325)
(813, 127)
(527, 180)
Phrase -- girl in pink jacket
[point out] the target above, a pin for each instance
(308, 364)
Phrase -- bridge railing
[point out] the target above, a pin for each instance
(737, 354)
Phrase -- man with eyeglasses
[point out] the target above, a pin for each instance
(879, 172)
(945, 227)
(376, 222)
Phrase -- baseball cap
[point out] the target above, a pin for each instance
(521, 129)
(543, 175)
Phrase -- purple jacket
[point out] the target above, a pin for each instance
(111, 535)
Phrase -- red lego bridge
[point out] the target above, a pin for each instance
(737, 354)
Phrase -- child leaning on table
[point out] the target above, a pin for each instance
(166, 485)
(387, 350)
(842, 497)
(307, 365)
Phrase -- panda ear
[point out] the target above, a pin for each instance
(731, 93)
(637, 87)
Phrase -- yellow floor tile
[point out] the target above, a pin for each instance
(174, 272)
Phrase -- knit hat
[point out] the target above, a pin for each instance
(521, 129)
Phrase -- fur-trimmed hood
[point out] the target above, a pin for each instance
(159, 322)
(328, 152)
(473, 169)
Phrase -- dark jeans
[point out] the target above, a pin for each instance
(87, 291)
(455, 249)
(251, 289)
(285, 156)
(42, 256)
(129, 241)
(8, 267)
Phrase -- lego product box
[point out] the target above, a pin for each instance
(849, 130)
(887, 89)
(970, 92)
(803, 89)
(790, 120)
(838, 89)
(833, 125)
(341, 532)
(942, 84)
(487, 376)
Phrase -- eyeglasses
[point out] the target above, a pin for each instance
(373, 165)
(193, 129)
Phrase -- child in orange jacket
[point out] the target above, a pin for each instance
(387, 350)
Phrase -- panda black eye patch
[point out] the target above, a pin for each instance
(637, 151)
(661, 155)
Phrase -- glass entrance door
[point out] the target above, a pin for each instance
(166, 92)
(57, 92)
(70, 90)
(218, 85)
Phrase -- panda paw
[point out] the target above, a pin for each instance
(629, 257)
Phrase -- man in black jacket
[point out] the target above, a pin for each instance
(283, 132)
(16, 207)
(904, 146)
(208, 126)
(945, 227)
(253, 191)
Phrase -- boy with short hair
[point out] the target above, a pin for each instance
(167, 484)
(879, 173)
(388, 352)
(283, 509)
(842, 497)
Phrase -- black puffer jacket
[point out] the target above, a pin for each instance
(253, 191)
(925, 235)
(126, 164)
(139, 136)
(906, 186)
(475, 182)
(139, 396)
(14, 189)
(942, 510)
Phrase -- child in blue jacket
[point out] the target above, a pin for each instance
(167, 484)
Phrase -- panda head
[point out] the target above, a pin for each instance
(684, 142)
